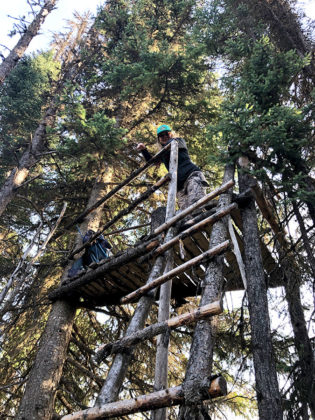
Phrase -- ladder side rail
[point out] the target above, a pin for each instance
(118, 370)
(161, 361)
(123, 212)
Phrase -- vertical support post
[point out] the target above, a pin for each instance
(267, 388)
(161, 364)
(201, 352)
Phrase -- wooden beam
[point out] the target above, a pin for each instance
(237, 253)
(194, 206)
(160, 280)
(165, 398)
(214, 308)
(114, 232)
(122, 213)
(161, 359)
(133, 175)
(190, 231)
(108, 264)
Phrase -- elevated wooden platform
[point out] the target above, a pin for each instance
(106, 282)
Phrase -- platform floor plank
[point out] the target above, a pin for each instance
(108, 288)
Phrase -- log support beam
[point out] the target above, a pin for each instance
(213, 388)
(214, 308)
(199, 203)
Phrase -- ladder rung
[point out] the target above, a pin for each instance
(172, 273)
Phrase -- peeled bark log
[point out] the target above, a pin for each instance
(199, 203)
(161, 361)
(164, 398)
(188, 232)
(201, 351)
(187, 318)
(12, 59)
(117, 372)
(268, 395)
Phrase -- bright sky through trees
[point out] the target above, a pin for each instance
(56, 21)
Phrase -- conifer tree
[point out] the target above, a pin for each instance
(27, 34)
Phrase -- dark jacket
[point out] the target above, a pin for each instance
(185, 165)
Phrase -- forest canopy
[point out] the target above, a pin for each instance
(235, 79)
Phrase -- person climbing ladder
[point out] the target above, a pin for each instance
(191, 182)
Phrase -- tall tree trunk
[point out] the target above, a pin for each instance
(201, 352)
(39, 396)
(306, 241)
(12, 59)
(267, 389)
(28, 159)
(304, 386)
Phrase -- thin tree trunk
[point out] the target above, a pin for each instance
(268, 395)
(307, 245)
(12, 59)
(117, 372)
(201, 352)
(305, 384)
(38, 400)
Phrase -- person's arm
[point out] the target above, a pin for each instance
(144, 151)
(146, 154)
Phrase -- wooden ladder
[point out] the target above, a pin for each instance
(162, 273)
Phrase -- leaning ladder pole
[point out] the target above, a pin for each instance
(161, 362)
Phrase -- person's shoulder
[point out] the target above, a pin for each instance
(181, 142)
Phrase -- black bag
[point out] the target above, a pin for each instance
(95, 252)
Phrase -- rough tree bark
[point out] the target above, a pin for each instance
(28, 159)
(39, 396)
(268, 395)
(201, 352)
(305, 384)
(12, 59)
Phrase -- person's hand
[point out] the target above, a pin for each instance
(141, 146)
